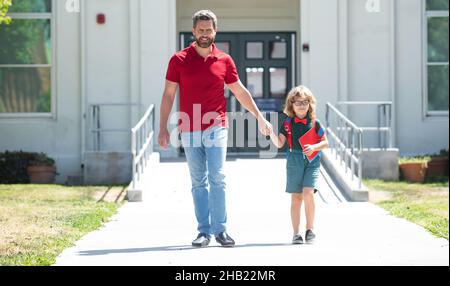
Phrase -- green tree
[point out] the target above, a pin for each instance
(4, 6)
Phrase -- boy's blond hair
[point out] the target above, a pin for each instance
(303, 93)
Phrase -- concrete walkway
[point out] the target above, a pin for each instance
(159, 230)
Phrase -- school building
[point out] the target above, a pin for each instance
(77, 75)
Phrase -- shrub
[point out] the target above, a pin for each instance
(13, 165)
(41, 159)
(417, 159)
(443, 153)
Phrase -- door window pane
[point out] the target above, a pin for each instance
(434, 5)
(438, 39)
(26, 41)
(30, 6)
(278, 82)
(224, 46)
(278, 50)
(254, 50)
(25, 90)
(438, 87)
(255, 81)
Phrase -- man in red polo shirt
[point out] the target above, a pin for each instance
(201, 71)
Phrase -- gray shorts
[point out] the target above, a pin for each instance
(300, 172)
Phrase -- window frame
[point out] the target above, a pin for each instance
(35, 16)
(425, 16)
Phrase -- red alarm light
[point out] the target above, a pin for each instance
(101, 19)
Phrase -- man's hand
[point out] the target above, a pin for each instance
(163, 138)
(264, 126)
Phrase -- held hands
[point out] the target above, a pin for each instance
(264, 126)
(309, 149)
(163, 138)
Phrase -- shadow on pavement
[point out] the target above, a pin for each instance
(175, 248)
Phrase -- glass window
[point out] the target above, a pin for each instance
(26, 53)
(438, 39)
(25, 90)
(26, 41)
(438, 88)
(255, 81)
(278, 82)
(31, 6)
(278, 50)
(254, 50)
(436, 5)
(437, 56)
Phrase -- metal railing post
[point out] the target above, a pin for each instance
(360, 156)
(379, 124)
(343, 138)
(143, 143)
(133, 152)
(383, 125)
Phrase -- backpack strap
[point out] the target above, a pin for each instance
(288, 129)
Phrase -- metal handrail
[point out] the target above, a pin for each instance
(142, 142)
(96, 126)
(346, 142)
(384, 116)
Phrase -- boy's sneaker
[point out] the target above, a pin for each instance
(309, 235)
(297, 239)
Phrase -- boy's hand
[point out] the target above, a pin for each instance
(309, 149)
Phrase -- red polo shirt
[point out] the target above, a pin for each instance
(201, 82)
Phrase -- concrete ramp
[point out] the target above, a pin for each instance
(329, 193)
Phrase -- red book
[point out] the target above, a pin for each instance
(310, 138)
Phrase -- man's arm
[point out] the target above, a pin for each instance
(245, 99)
(167, 100)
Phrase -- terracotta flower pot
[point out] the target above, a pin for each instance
(41, 174)
(414, 171)
(437, 167)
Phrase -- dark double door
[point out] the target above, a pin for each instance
(266, 66)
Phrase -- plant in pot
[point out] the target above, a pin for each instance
(414, 169)
(438, 165)
(41, 169)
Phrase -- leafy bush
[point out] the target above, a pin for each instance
(416, 159)
(13, 165)
(443, 153)
(4, 6)
(40, 159)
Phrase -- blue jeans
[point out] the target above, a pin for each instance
(206, 152)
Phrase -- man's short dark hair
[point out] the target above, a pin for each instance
(204, 15)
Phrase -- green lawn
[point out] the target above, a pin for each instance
(425, 204)
(37, 222)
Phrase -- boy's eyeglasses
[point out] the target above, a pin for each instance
(301, 103)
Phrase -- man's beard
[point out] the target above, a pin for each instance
(204, 44)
